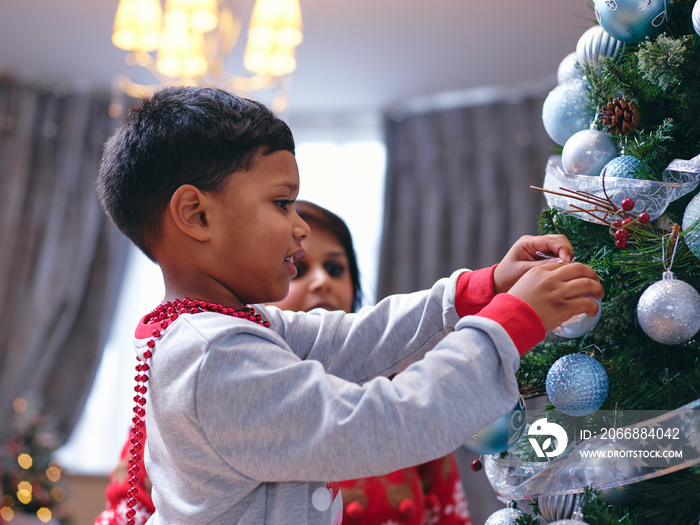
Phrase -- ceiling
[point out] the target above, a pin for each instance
(357, 55)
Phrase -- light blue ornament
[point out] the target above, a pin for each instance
(596, 43)
(568, 69)
(577, 384)
(565, 111)
(623, 166)
(696, 17)
(691, 225)
(578, 325)
(499, 435)
(632, 20)
(587, 152)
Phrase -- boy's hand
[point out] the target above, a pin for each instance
(523, 255)
(559, 291)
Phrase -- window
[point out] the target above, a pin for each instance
(347, 177)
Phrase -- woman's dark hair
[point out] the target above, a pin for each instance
(180, 135)
(312, 212)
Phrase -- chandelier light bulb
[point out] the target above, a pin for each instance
(203, 15)
(137, 25)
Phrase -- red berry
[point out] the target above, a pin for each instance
(643, 217)
(627, 204)
(627, 221)
(621, 244)
(407, 507)
(354, 510)
(476, 465)
(617, 224)
(622, 235)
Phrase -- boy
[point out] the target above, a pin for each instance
(253, 422)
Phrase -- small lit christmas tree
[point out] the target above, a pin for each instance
(31, 480)
(623, 187)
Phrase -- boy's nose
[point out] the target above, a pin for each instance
(301, 229)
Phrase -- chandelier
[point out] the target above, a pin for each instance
(188, 41)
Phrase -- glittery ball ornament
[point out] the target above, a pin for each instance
(504, 517)
(578, 325)
(587, 152)
(669, 311)
(623, 166)
(596, 43)
(691, 224)
(696, 17)
(568, 69)
(496, 437)
(564, 111)
(632, 20)
(577, 384)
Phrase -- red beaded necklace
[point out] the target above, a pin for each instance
(162, 316)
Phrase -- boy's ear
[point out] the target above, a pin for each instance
(188, 207)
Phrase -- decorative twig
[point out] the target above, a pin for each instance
(618, 218)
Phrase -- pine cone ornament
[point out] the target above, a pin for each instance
(621, 116)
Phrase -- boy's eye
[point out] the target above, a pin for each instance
(334, 269)
(283, 204)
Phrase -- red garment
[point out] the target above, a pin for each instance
(427, 494)
(116, 493)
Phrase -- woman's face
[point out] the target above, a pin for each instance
(323, 279)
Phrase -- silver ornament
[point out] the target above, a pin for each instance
(691, 220)
(557, 507)
(696, 17)
(578, 325)
(568, 522)
(669, 311)
(596, 43)
(587, 152)
(504, 517)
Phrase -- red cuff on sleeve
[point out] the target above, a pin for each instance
(474, 291)
(518, 318)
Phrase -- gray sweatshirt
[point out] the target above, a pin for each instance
(255, 425)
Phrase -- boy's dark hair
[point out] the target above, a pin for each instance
(180, 135)
(311, 212)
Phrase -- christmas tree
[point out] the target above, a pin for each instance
(622, 185)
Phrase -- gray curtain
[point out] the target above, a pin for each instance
(61, 259)
(457, 188)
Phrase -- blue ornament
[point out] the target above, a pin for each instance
(587, 152)
(499, 435)
(578, 325)
(623, 166)
(632, 20)
(596, 43)
(568, 69)
(577, 384)
(565, 110)
(691, 225)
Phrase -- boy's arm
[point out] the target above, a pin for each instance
(378, 340)
(475, 296)
(274, 417)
